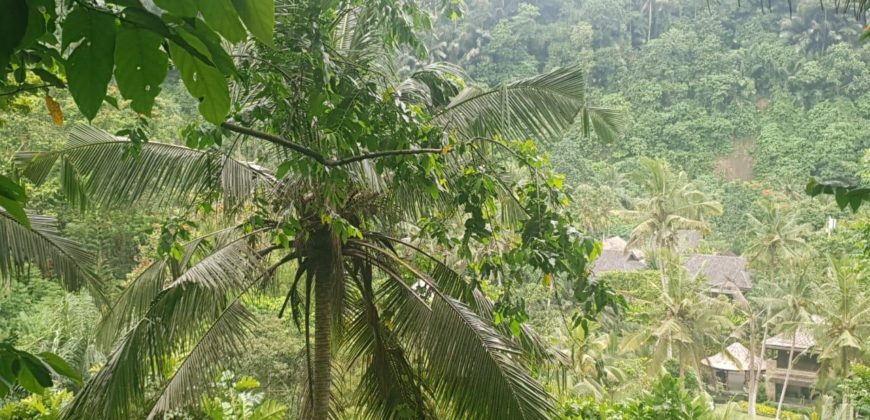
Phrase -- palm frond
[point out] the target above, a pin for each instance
(433, 84)
(42, 246)
(539, 107)
(177, 319)
(453, 284)
(389, 387)
(135, 300)
(224, 338)
(132, 303)
(98, 166)
(473, 369)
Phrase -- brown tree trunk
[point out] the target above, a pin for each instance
(649, 24)
(327, 271)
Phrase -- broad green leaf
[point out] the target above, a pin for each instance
(221, 16)
(37, 368)
(13, 26)
(219, 57)
(14, 209)
(259, 18)
(33, 375)
(60, 366)
(204, 82)
(89, 67)
(11, 190)
(182, 8)
(28, 381)
(12, 197)
(37, 25)
(141, 66)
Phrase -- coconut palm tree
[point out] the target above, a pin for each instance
(418, 336)
(689, 320)
(671, 204)
(790, 301)
(777, 237)
(845, 317)
(594, 372)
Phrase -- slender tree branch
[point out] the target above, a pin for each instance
(318, 157)
(386, 153)
(276, 140)
(24, 88)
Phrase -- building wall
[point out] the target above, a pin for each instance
(806, 362)
(735, 381)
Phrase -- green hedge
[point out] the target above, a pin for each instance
(770, 411)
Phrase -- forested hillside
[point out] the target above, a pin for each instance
(435, 209)
(724, 92)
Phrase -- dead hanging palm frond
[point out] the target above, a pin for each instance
(97, 166)
(536, 107)
(42, 246)
(197, 314)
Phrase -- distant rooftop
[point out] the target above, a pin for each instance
(613, 260)
(803, 341)
(721, 271)
(736, 357)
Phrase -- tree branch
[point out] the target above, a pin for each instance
(280, 141)
(24, 88)
(318, 157)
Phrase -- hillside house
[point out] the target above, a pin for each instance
(805, 369)
(731, 367)
(723, 273)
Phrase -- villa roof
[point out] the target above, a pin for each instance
(721, 271)
(613, 260)
(736, 357)
(614, 243)
(803, 340)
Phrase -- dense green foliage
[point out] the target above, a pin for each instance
(392, 209)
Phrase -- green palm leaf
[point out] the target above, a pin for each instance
(389, 387)
(539, 106)
(473, 370)
(135, 300)
(43, 246)
(183, 314)
(225, 337)
(96, 165)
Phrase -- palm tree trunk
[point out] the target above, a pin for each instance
(753, 380)
(651, 4)
(327, 272)
(787, 375)
(755, 373)
(322, 349)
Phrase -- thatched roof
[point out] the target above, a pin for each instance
(614, 243)
(803, 340)
(722, 272)
(734, 358)
(688, 239)
(613, 260)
